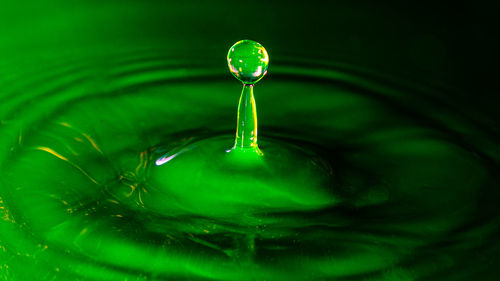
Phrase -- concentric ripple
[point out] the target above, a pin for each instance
(413, 178)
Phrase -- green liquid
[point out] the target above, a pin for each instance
(239, 187)
(402, 188)
(248, 62)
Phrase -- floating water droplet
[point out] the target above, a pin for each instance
(248, 61)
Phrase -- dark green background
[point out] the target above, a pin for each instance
(452, 45)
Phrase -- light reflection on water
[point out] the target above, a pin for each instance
(413, 180)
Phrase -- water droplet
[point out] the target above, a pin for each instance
(248, 61)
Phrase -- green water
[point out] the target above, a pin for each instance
(248, 61)
(364, 175)
(404, 186)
